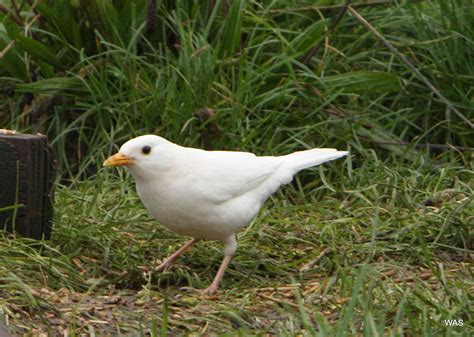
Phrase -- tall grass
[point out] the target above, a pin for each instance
(244, 62)
(386, 235)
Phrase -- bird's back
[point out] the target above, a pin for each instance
(224, 189)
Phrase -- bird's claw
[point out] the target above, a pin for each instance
(164, 267)
(210, 291)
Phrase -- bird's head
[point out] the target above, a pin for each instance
(143, 154)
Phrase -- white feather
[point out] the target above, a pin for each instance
(211, 194)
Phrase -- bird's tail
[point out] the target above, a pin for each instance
(304, 159)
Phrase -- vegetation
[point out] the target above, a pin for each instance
(378, 244)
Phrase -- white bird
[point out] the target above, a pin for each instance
(208, 195)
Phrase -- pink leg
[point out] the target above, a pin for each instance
(212, 289)
(170, 259)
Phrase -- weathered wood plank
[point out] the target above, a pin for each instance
(27, 172)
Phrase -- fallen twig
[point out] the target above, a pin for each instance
(425, 145)
(312, 263)
(7, 48)
(277, 300)
(15, 18)
(309, 55)
(336, 7)
(409, 65)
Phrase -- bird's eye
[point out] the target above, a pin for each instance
(146, 149)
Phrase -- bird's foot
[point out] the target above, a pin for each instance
(210, 291)
(165, 266)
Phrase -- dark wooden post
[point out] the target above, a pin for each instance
(27, 173)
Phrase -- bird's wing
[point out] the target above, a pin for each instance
(219, 176)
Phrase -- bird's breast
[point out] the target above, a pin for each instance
(179, 208)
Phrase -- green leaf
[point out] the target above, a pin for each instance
(308, 38)
(363, 82)
(61, 17)
(37, 50)
(233, 29)
(53, 85)
(11, 60)
(109, 18)
(34, 48)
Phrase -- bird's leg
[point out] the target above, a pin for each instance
(212, 289)
(230, 246)
(170, 259)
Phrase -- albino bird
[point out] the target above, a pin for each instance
(208, 195)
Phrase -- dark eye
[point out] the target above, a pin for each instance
(146, 149)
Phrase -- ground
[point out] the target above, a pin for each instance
(351, 258)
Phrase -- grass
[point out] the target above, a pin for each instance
(377, 244)
(379, 261)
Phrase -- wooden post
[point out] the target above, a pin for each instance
(27, 173)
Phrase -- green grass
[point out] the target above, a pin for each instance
(386, 263)
(385, 235)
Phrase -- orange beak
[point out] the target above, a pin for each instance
(118, 159)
